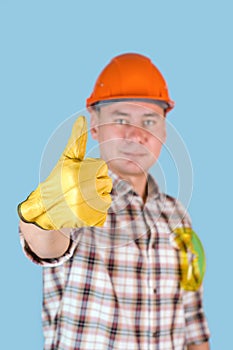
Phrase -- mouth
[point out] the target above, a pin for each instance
(133, 154)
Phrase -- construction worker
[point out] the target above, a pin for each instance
(123, 268)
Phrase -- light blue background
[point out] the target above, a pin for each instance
(51, 53)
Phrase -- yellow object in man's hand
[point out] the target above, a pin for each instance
(75, 194)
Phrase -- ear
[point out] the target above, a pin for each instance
(94, 121)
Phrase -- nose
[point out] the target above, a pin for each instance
(135, 134)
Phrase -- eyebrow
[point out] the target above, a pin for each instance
(124, 114)
(151, 114)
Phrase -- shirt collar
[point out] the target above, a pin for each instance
(123, 187)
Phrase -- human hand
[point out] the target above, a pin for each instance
(77, 191)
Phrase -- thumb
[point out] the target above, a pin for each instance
(76, 146)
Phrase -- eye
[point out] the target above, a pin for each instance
(121, 121)
(149, 122)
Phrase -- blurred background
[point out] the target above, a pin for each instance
(51, 54)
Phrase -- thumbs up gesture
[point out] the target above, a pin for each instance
(77, 191)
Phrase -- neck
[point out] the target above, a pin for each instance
(138, 182)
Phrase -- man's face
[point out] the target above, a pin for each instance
(130, 135)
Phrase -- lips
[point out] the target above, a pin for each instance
(134, 154)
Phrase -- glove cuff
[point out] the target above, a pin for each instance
(31, 208)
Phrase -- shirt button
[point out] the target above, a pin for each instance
(154, 290)
(154, 245)
(155, 334)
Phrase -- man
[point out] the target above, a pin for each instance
(121, 272)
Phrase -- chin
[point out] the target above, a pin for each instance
(130, 168)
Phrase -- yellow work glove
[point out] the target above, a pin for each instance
(192, 258)
(77, 191)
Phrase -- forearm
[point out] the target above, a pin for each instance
(203, 346)
(45, 244)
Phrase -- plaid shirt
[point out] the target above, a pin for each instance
(117, 287)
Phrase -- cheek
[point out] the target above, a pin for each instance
(108, 133)
(155, 146)
(108, 139)
(159, 139)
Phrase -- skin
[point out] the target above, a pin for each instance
(130, 139)
(203, 346)
(130, 136)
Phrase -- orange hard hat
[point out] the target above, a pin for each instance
(134, 77)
